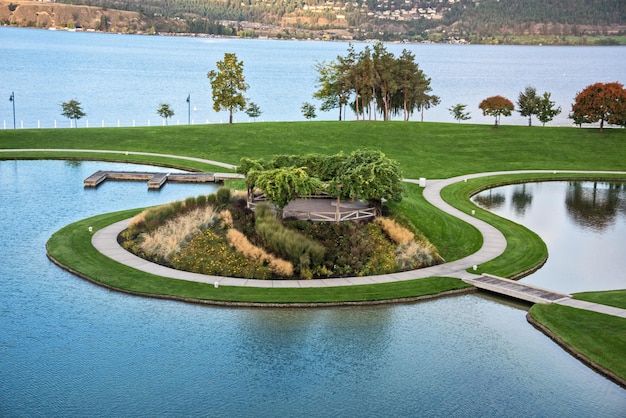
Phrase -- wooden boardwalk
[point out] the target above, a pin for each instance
(156, 180)
(516, 289)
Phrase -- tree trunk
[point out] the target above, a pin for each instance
(530, 122)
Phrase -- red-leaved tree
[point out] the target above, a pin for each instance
(603, 102)
(496, 106)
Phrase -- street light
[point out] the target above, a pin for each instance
(12, 100)
(189, 109)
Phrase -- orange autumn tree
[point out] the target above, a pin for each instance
(496, 106)
(600, 102)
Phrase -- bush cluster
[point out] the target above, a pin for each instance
(287, 243)
(219, 235)
(209, 253)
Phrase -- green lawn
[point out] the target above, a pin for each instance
(431, 150)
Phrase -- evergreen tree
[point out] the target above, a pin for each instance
(528, 103)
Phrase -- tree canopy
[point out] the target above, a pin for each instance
(228, 85)
(363, 174)
(546, 111)
(377, 81)
(528, 103)
(496, 106)
(600, 102)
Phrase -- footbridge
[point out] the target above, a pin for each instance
(515, 289)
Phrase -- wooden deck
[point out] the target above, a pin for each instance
(156, 180)
(516, 289)
(323, 209)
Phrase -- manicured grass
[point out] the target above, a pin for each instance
(431, 150)
(616, 298)
(601, 338)
(71, 246)
(453, 237)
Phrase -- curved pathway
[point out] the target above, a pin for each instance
(494, 243)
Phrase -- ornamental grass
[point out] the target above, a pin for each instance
(169, 238)
(239, 241)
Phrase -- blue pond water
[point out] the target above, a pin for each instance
(70, 348)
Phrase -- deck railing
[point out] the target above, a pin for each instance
(353, 215)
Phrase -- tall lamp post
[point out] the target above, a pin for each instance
(12, 100)
(189, 109)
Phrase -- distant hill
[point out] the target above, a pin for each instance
(552, 21)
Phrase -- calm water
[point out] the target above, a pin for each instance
(124, 78)
(70, 348)
(582, 223)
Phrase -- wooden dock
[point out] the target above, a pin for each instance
(156, 180)
(516, 289)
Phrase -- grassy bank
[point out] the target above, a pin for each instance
(431, 150)
(596, 337)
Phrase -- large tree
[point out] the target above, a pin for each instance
(228, 85)
(496, 106)
(72, 110)
(369, 175)
(282, 185)
(528, 103)
(600, 102)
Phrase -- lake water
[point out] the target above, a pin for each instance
(70, 348)
(123, 78)
(582, 223)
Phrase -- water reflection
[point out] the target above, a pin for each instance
(490, 199)
(583, 224)
(595, 205)
(521, 199)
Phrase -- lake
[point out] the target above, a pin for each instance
(71, 348)
(122, 79)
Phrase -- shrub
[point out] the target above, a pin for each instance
(287, 243)
(208, 253)
(251, 252)
(223, 196)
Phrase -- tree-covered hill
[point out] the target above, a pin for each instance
(414, 20)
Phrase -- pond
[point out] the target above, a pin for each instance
(71, 348)
(583, 224)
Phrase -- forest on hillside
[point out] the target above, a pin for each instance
(405, 19)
